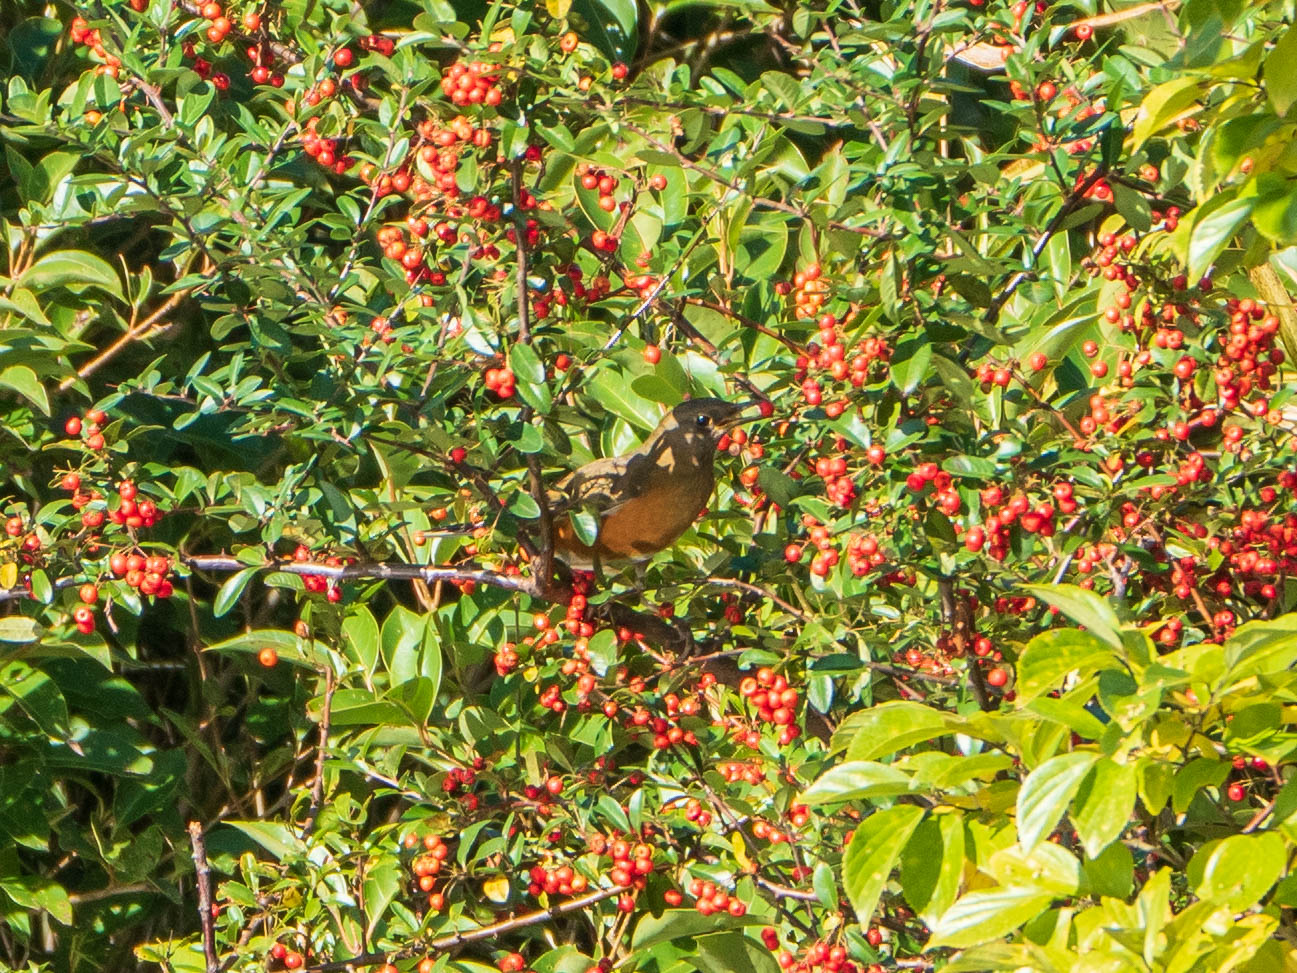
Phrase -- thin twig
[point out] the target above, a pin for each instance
(954, 617)
(761, 202)
(145, 329)
(368, 570)
(204, 873)
(457, 939)
(317, 785)
(1051, 228)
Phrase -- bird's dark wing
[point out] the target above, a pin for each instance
(599, 486)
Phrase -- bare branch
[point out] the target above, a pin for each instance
(204, 873)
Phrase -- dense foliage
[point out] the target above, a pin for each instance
(981, 658)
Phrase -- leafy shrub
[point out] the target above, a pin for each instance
(980, 658)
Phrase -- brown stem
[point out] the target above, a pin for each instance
(747, 322)
(369, 569)
(1130, 13)
(783, 891)
(955, 616)
(204, 873)
(761, 202)
(455, 940)
(144, 329)
(317, 785)
(1051, 228)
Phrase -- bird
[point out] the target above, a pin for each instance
(645, 499)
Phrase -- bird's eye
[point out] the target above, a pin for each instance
(704, 421)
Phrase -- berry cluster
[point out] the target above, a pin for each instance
(82, 34)
(1248, 358)
(710, 898)
(472, 83)
(598, 181)
(774, 702)
(315, 583)
(328, 152)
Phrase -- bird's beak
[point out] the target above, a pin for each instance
(737, 417)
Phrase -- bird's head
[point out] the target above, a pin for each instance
(696, 426)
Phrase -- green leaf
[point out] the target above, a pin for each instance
(1047, 792)
(276, 838)
(1051, 656)
(38, 696)
(229, 592)
(384, 881)
(360, 637)
(825, 886)
(910, 363)
(19, 628)
(612, 388)
(71, 268)
(530, 372)
(1237, 871)
(986, 915)
(889, 727)
(856, 780)
(1083, 607)
(1162, 104)
(675, 924)
(1214, 225)
(732, 952)
(1280, 67)
(602, 650)
(286, 644)
(874, 850)
(932, 865)
(1104, 805)
(1193, 778)
(402, 639)
(23, 380)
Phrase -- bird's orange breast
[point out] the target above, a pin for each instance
(639, 527)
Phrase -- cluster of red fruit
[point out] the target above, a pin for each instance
(1237, 790)
(81, 33)
(819, 955)
(1248, 357)
(1261, 551)
(666, 730)
(148, 573)
(91, 428)
(598, 288)
(219, 25)
(501, 381)
(1037, 519)
(944, 493)
(695, 812)
(810, 290)
(863, 551)
(774, 702)
(558, 880)
(315, 583)
(281, 957)
(328, 152)
(472, 83)
(830, 355)
(599, 181)
(709, 898)
(425, 867)
(438, 155)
